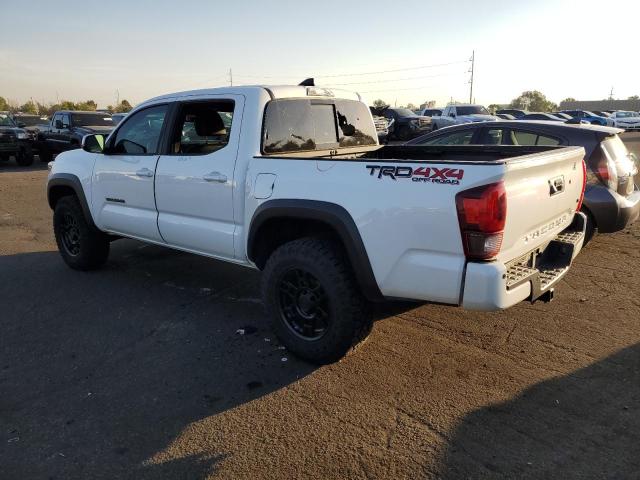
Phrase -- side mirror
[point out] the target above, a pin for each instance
(58, 124)
(22, 125)
(93, 143)
(453, 115)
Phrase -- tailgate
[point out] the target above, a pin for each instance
(543, 191)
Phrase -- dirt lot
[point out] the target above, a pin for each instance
(136, 371)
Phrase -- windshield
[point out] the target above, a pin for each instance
(404, 112)
(91, 120)
(472, 110)
(626, 114)
(31, 120)
(6, 121)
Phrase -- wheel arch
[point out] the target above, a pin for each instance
(307, 217)
(65, 184)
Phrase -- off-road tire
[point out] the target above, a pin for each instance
(349, 312)
(24, 158)
(92, 245)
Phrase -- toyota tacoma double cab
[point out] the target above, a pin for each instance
(66, 130)
(291, 180)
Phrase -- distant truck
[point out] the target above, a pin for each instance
(458, 114)
(66, 130)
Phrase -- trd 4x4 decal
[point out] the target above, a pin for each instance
(451, 176)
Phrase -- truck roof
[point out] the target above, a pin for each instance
(275, 91)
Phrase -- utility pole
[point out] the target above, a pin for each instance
(117, 97)
(611, 94)
(231, 77)
(473, 63)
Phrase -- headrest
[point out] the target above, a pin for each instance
(208, 124)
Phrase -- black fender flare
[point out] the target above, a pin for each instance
(332, 215)
(70, 181)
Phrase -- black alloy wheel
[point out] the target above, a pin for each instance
(70, 234)
(304, 304)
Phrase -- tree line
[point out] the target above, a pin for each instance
(37, 108)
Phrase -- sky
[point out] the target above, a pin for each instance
(400, 51)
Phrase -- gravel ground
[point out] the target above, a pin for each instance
(138, 371)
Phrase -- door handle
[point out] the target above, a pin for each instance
(215, 177)
(144, 172)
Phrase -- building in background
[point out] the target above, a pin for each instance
(601, 105)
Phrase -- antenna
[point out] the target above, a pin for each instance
(473, 63)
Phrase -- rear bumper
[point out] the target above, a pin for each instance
(611, 211)
(496, 286)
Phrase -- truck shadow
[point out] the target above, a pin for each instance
(581, 425)
(100, 372)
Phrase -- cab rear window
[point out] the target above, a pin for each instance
(296, 125)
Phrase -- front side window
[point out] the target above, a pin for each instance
(140, 132)
(6, 121)
(202, 127)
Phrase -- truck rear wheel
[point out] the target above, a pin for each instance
(81, 246)
(314, 302)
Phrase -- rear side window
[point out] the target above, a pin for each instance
(494, 136)
(457, 138)
(202, 127)
(519, 137)
(293, 125)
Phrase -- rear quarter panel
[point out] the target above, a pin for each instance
(408, 227)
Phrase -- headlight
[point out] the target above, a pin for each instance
(22, 135)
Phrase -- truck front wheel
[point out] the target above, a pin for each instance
(314, 302)
(81, 246)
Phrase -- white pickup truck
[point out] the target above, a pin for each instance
(292, 181)
(458, 114)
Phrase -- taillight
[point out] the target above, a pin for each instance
(482, 212)
(607, 172)
(584, 185)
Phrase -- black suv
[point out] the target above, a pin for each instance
(14, 141)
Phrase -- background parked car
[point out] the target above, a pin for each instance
(542, 116)
(626, 120)
(116, 118)
(512, 111)
(602, 113)
(67, 128)
(611, 201)
(590, 117)
(406, 124)
(14, 141)
(465, 113)
(430, 112)
(505, 116)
